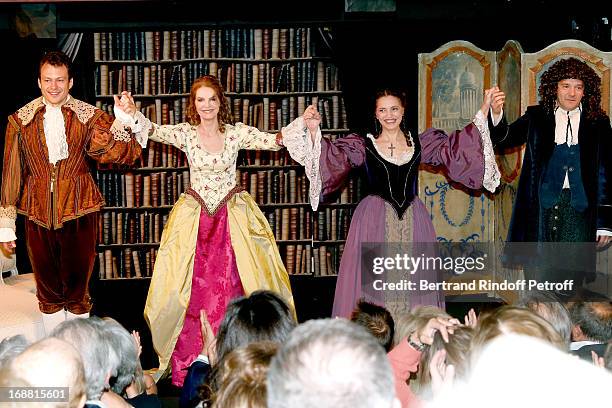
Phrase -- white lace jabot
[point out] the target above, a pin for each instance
(55, 132)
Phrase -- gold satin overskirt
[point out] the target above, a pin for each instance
(257, 257)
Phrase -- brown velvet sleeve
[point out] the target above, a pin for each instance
(12, 169)
(111, 142)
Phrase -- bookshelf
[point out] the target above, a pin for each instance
(270, 75)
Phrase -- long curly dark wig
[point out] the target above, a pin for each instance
(224, 116)
(572, 68)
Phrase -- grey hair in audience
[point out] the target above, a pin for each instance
(330, 363)
(100, 360)
(124, 345)
(549, 307)
(10, 347)
(594, 319)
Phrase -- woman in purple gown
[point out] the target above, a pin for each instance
(392, 211)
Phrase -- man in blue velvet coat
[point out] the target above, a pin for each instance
(565, 192)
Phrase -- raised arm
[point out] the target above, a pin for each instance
(337, 159)
(326, 163)
(293, 136)
(144, 129)
(504, 135)
(467, 154)
(111, 141)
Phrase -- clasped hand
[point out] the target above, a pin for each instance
(125, 103)
(493, 99)
(312, 118)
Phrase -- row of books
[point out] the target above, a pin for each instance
(162, 155)
(308, 260)
(132, 190)
(300, 259)
(120, 227)
(290, 223)
(295, 223)
(287, 224)
(332, 224)
(275, 186)
(273, 113)
(245, 77)
(252, 43)
(268, 114)
(126, 263)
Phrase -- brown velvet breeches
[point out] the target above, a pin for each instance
(62, 261)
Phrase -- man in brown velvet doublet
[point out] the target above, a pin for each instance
(46, 177)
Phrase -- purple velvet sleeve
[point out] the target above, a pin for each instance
(337, 159)
(460, 153)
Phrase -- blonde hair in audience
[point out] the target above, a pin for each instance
(243, 376)
(510, 319)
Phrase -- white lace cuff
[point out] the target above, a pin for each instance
(298, 142)
(604, 233)
(492, 176)
(139, 124)
(8, 215)
(7, 235)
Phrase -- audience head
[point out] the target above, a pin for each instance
(521, 371)
(547, 306)
(262, 316)
(242, 381)
(129, 368)
(50, 362)
(100, 359)
(408, 323)
(457, 353)
(11, 347)
(591, 321)
(219, 104)
(330, 363)
(517, 320)
(376, 320)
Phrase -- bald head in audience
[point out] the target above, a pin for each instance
(48, 363)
